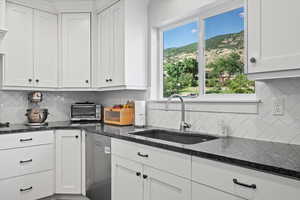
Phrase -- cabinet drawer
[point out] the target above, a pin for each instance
(42, 185)
(21, 161)
(29, 187)
(221, 176)
(172, 162)
(26, 139)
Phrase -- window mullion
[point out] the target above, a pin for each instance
(201, 56)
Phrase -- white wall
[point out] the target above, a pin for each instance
(163, 11)
(262, 126)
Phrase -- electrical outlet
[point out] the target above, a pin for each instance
(278, 106)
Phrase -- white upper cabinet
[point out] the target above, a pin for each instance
(122, 46)
(2, 15)
(2, 24)
(18, 45)
(45, 50)
(102, 74)
(117, 70)
(76, 46)
(30, 49)
(273, 39)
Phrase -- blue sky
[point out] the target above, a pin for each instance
(230, 22)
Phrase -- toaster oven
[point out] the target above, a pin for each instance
(85, 112)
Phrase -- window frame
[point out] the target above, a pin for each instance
(200, 19)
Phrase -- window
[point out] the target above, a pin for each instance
(224, 54)
(180, 65)
(206, 56)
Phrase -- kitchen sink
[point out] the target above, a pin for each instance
(173, 136)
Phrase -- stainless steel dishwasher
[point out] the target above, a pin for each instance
(98, 167)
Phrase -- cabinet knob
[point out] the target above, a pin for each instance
(29, 80)
(106, 80)
(76, 137)
(253, 60)
(87, 81)
(110, 80)
(37, 80)
(145, 176)
(138, 174)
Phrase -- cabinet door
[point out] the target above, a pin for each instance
(127, 181)
(273, 37)
(104, 49)
(45, 50)
(202, 192)
(18, 45)
(68, 162)
(160, 185)
(118, 33)
(76, 60)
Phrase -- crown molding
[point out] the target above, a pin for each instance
(58, 6)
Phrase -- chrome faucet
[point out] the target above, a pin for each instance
(183, 124)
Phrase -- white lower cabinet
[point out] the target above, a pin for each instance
(135, 181)
(160, 185)
(23, 161)
(29, 187)
(36, 186)
(203, 192)
(68, 161)
(27, 170)
(139, 173)
(240, 182)
(127, 182)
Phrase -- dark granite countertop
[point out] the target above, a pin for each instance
(274, 158)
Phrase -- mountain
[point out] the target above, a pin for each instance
(227, 41)
(222, 44)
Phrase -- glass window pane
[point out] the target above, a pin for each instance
(180, 66)
(224, 54)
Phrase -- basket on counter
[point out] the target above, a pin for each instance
(119, 116)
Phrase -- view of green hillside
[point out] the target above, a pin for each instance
(224, 68)
(229, 41)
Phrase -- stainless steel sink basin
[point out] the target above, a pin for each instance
(173, 136)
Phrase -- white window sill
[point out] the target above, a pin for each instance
(239, 104)
(215, 99)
